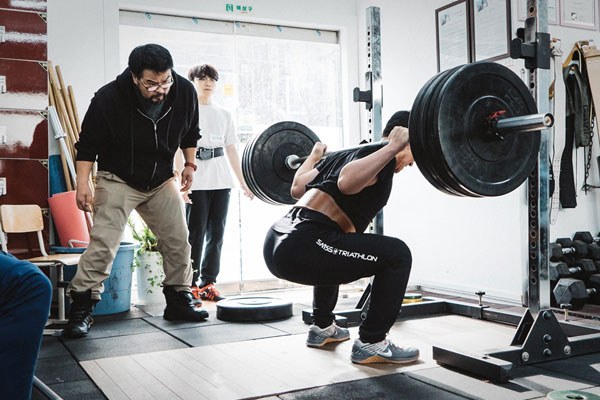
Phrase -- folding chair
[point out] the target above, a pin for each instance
(27, 218)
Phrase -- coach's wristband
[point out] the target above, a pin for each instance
(189, 164)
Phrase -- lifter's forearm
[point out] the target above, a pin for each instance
(307, 171)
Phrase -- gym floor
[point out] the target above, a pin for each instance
(137, 354)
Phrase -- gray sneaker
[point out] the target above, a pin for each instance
(382, 352)
(318, 337)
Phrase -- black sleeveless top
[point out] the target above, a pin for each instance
(363, 206)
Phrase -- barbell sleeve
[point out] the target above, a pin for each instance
(524, 123)
(294, 162)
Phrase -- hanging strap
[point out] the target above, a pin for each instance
(591, 56)
(557, 105)
(568, 195)
(578, 121)
(579, 94)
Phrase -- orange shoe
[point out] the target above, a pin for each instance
(210, 293)
(197, 300)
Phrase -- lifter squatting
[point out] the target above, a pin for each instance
(345, 253)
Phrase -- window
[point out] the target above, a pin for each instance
(267, 74)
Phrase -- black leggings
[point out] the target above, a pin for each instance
(308, 248)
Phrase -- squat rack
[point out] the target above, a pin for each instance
(539, 336)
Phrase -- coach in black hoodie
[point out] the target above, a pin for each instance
(132, 129)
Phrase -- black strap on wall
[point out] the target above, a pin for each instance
(568, 197)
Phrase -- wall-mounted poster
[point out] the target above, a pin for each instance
(452, 33)
(491, 29)
(578, 14)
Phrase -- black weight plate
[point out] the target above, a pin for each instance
(475, 157)
(418, 128)
(265, 157)
(417, 133)
(433, 154)
(439, 162)
(247, 172)
(253, 309)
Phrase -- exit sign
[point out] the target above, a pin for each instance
(238, 8)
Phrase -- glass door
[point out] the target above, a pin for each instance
(267, 74)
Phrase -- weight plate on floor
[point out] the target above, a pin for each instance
(264, 160)
(253, 309)
(571, 395)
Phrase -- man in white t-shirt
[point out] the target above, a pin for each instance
(211, 187)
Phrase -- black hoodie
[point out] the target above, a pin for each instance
(116, 132)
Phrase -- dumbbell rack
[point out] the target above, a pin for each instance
(539, 336)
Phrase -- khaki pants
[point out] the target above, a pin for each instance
(162, 210)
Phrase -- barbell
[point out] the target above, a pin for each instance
(474, 132)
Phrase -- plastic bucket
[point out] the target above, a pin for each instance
(116, 297)
(69, 220)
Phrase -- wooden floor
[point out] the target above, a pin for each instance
(264, 367)
(140, 356)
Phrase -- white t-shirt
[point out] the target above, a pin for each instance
(217, 130)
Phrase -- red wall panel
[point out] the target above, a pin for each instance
(25, 85)
(24, 5)
(23, 134)
(26, 182)
(24, 35)
(23, 104)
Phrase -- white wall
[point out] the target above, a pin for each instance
(461, 244)
(83, 41)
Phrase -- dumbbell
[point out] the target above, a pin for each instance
(592, 243)
(586, 237)
(558, 270)
(566, 246)
(579, 269)
(574, 292)
(593, 282)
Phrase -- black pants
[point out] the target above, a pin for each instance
(207, 216)
(308, 248)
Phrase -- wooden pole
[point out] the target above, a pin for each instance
(61, 107)
(63, 159)
(67, 112)
(68, 105)
(74, 107)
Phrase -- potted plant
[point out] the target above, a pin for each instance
(147, 264)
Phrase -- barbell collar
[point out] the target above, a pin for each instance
(293, 161)
(524, 123)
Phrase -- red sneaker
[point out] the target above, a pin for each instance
(197, 299)
(210, 293)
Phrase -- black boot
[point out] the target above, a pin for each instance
(180, 306)
(80, 317)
